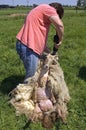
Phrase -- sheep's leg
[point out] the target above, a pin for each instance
(53, 98)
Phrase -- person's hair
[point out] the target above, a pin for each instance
(59, 9)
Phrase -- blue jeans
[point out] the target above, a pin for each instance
(29, 58)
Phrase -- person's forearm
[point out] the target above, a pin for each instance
(60, 32)
(58, 26)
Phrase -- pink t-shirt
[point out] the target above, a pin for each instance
(35, 30)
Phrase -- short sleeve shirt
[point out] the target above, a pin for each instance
(35, 29)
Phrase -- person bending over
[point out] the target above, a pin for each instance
(32, 37)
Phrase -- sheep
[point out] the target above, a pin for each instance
(45, 96)
(58, 86)
(42, 96)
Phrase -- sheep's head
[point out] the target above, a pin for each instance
(50, 60)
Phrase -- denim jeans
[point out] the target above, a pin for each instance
(29, 58)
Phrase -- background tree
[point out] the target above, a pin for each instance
(81, 3)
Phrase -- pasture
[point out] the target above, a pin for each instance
(72, 57)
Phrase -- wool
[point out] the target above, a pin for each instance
(45, 96)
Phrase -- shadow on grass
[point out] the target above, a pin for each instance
(57, 125)
(27, 125)
(10, 83)
(82, 73)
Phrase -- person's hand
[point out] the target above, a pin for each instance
(57, 45)
(47, 50)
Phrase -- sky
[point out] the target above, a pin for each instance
(31, 2)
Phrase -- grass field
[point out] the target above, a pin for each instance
(72, 57)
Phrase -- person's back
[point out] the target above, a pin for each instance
(35, 29)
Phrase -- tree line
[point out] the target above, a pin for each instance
(81, 3)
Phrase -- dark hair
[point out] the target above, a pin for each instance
(59, 9)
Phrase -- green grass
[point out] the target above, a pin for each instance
(72, 57)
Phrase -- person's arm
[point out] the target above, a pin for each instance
(59, 27)
(47, 50)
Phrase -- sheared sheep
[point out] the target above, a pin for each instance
(45, 96)
(42, 96)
